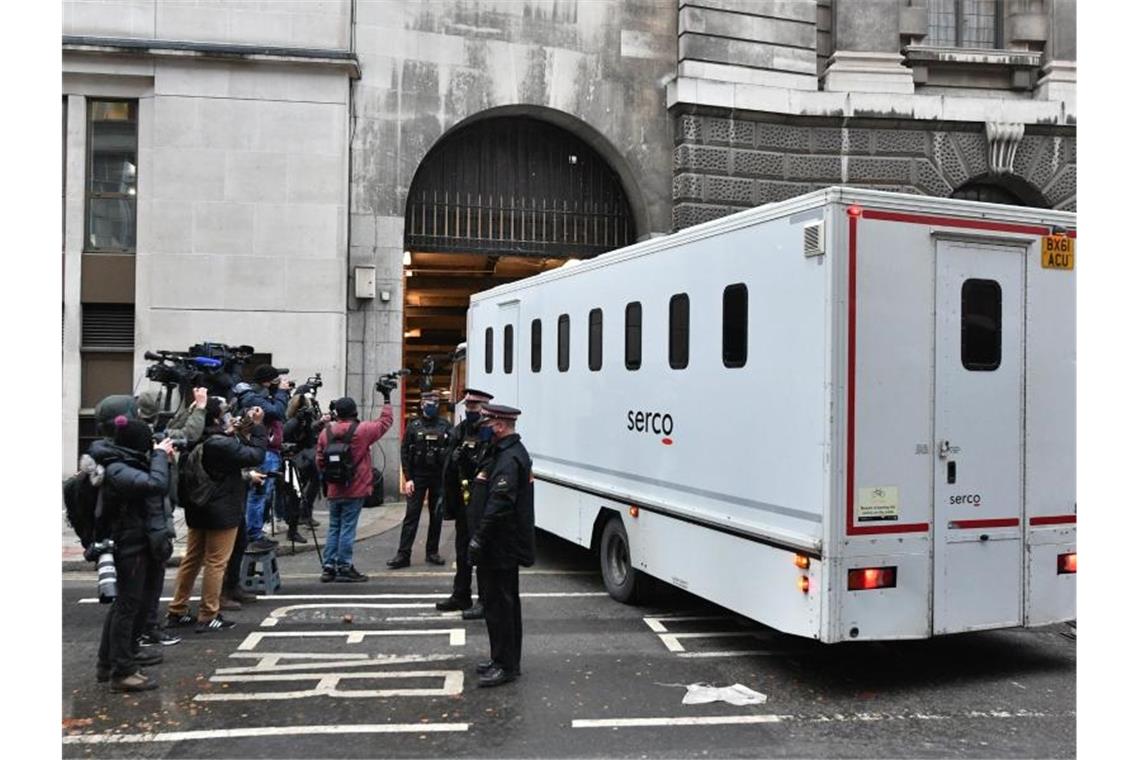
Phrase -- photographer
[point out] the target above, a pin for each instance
(186, 428)
(135, 470)
(344, 459)
(271, 394)
(302, 428)
(213, 497)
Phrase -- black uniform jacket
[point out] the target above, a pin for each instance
(505, 525)
(424, 446)
(224, 458)
(460, 464)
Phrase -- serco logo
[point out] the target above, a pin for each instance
(659, 423)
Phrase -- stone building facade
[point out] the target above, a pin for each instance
(279, 142)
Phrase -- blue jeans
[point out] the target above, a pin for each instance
(343, 516)
(255, 502)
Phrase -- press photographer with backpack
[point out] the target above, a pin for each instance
(346, 466)
(135, 469)
(212, 492)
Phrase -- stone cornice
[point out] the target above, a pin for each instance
(735, 96)
(152, 48)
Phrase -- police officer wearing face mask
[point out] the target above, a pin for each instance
(469, 443)
(422, 453)
(503, 539)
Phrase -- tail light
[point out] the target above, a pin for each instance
(867, 578)
(803, 562)
(804, 584)
(1066, 563)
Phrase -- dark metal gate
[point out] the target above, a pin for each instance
(517, 186)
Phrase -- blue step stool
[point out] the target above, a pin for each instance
(259, 574)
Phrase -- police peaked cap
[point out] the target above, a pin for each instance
(500, 412)
(471, 394)
(429, 397)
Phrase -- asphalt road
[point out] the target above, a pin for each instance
(404, 685)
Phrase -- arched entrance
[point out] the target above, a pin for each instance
(497, 200)
(1001, 188)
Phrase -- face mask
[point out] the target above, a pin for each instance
(486, 433)
(472, 418)
(430, 411)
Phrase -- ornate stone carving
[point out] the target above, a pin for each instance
(1003, 140)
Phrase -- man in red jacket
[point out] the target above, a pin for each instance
(347, 498)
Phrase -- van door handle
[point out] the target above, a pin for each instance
(944, 449)
(951, 472)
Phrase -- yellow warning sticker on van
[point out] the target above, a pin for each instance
(1058, 252)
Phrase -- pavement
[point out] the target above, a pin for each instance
(373, 521)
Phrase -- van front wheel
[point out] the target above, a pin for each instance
(623, 582)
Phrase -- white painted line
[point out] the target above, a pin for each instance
(732, 653)
(457, 637)
(281, 612)
(243, 733)
(708, 720)
(290, 597)
(271, 663)
(673, 644)
(327, 684)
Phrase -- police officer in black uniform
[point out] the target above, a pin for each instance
(425, 444)
(469, 443)
(503, 540)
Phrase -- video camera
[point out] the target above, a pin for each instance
(390, 381)
(214, 366)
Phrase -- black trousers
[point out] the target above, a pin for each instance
(124, 622)
(309, 479)
(153, 593)
(461, 586)
(503, 613)
(233, 567)
(429, 485)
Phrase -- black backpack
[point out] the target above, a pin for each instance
(195, 485)
(81, 502)
(336, 463)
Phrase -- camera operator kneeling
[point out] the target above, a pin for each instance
(136, 469)
(213, 495)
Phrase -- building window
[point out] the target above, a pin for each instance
(965, 23)
(488, 350)
(633, 335)
(679, 331)
(734, 337)
(564, 343)
(509, 349)
(981, 325)
(595, 340)
(112, 175)
(536, 345)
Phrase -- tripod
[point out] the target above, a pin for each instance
(288, 489)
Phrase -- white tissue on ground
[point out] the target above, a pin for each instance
(737, 694)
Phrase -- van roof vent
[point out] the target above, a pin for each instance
(813, 239)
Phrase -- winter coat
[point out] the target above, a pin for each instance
(505, 525)
(133, 486)
(224, 457)
(367, 433)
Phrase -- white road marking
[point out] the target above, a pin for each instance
(730, 653)
(243, 733)
(708, 720)
(271, 663)
(654, 622)
(673, 644)
(457, 637)
(281, 612)
(290, 597)
(327, 684)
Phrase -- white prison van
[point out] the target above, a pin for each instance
(849, 415)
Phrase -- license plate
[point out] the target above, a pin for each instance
(1058, 252)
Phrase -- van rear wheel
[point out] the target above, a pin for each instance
(623, 582)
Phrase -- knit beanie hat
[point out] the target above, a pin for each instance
(133, 434)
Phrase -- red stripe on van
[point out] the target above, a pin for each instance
(1053, 520)
(952, 221)
(1002, 522)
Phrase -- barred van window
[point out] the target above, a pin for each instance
(981, 325)
(564, 343)
(595, 340)
(679, 331)
(633, 335)
(489, 350)
(734, 337)
(536, 345)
